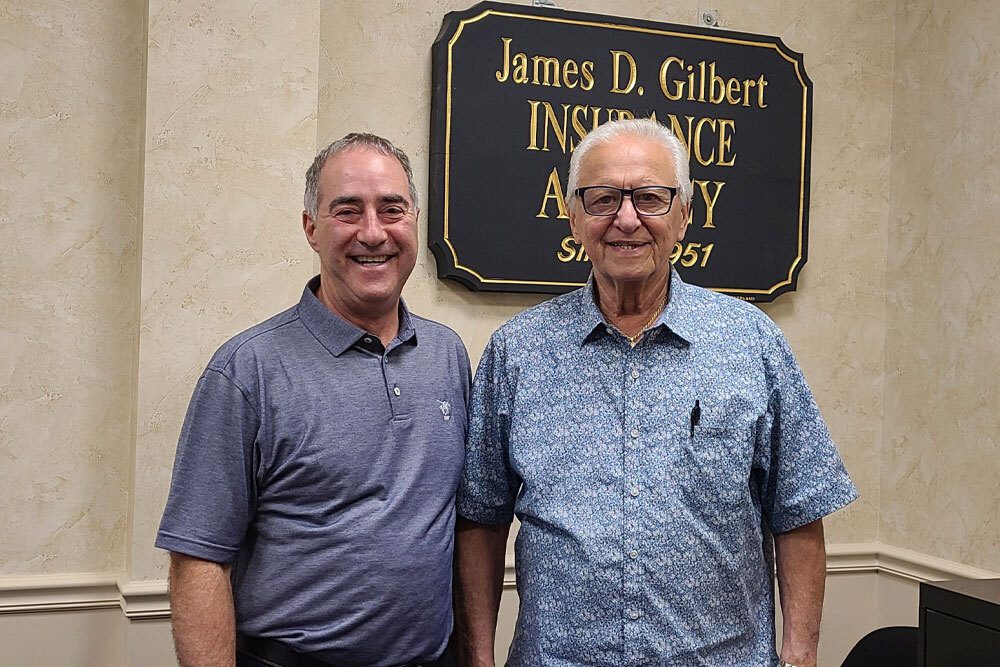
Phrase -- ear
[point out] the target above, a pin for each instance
(574, 221)
(415, 225)
(685, 213)
(309, 227)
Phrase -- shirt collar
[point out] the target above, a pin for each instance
(679, 316)
(590, 322)
(337, 334)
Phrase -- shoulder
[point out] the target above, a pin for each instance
(258, 342)
(728, 316)
(442, 338)
(435, 330)
(542, 321)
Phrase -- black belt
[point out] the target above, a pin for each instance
(283, 655)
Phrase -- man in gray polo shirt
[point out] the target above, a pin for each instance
(311, 513)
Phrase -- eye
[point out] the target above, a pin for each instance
(601, 198)
(347, 214)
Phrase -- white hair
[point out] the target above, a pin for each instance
(634, 127)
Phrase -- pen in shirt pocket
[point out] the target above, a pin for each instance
(695, 415)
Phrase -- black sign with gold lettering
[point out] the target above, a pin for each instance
(516, 88)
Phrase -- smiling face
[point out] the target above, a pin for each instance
(629, 250)
(365, 233)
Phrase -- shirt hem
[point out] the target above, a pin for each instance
(196, 548)
(483, 515)
(816, 513)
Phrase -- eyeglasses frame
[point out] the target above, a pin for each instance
(579, 192)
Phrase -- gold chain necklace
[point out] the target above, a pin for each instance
(632, 340)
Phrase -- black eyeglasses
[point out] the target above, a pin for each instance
(607, 200)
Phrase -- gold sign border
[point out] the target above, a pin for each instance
(628, 28)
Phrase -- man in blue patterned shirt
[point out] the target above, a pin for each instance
(658, 443)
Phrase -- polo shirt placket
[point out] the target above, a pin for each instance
(396, 393)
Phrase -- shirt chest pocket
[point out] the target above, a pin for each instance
(714, 469)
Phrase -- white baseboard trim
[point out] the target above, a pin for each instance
(147, 600)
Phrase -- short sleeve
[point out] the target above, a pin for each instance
(488, 488)
(802, 477)
(212, 492)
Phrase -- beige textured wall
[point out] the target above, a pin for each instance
(941, 468)
(231, 91)
(375, 73)
(70, 82)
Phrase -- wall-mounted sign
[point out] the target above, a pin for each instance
(517, 87)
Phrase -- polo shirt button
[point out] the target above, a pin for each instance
(396, 391)
(368, 339)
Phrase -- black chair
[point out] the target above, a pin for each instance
(885, 647)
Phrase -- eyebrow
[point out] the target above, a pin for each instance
(358, 201)
(394, 199)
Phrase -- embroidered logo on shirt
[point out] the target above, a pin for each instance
(445, 409)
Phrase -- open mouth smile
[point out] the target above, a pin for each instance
(371, 260)
(626, 245)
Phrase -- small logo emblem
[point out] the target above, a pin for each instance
(445, 409)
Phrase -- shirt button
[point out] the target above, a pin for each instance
(633, 554)
(396, 391)
(635, 433)
(633, 614)
(634, 491)
(635, 374)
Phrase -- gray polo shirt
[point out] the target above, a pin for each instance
(324, 468)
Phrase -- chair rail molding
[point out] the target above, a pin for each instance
(149, 600)
(70, 592)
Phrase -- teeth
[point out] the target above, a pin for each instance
(627, 246)
(376, 259)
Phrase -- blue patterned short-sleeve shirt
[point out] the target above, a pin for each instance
(644, 539)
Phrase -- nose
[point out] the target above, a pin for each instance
(627, 218)
(371, 233)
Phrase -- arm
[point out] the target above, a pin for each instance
(479, 564)
(800, 556)
(201, 603)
